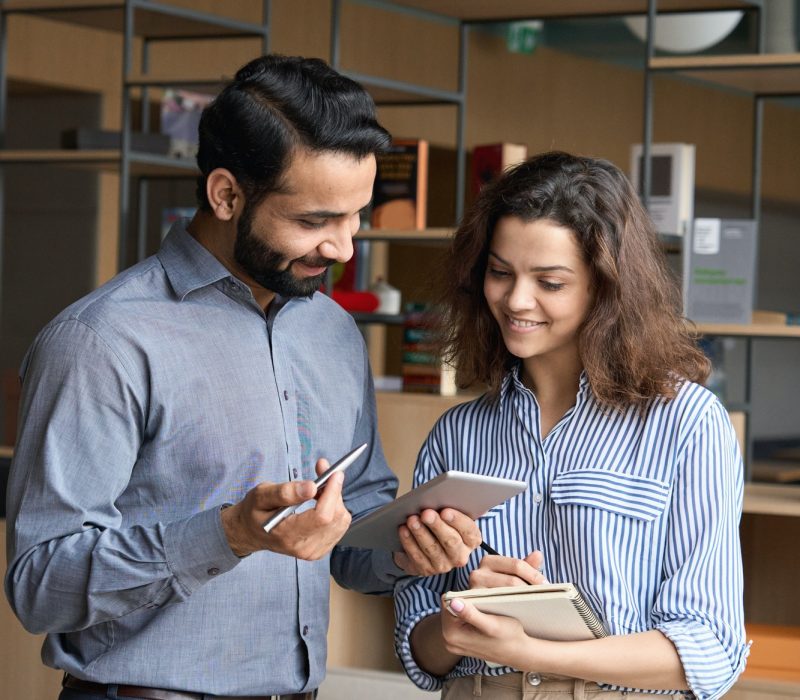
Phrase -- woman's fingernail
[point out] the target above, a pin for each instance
(455, 606)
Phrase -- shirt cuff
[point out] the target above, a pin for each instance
(384, 567)
(197, 550)
(709, 670)
(422, 679)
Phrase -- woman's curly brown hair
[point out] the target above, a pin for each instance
(634, 344)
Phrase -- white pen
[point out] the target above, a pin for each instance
(339, 466)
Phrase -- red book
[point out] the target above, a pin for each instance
(491, 159)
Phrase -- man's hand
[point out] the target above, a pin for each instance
(495, 571)
(435, 543)
(307, 535)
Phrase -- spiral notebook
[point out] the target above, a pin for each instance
(554, 611)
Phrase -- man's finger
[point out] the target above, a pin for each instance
(271, 496)
(329, 498)
(322, 466)
(466, 527)
(421, 546)
(447, 539)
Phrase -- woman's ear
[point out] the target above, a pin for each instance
(223, 193)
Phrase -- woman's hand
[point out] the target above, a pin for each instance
(496, 571)
(468, 632)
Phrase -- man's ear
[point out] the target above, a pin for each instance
(224, 194)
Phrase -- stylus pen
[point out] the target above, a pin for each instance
(341, 465)
(489, 550)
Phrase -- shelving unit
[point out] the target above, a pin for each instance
(771, 511)
(147, 21)
(762, 76)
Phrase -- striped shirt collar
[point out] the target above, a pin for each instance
(512, 387)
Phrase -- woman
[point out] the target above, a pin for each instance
(560, 301)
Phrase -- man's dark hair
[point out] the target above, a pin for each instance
(274, 105)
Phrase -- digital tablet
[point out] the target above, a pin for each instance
(472, 494)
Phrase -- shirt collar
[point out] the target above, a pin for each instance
(512, 385)
(188, 264)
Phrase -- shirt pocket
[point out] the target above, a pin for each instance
(629, 495)
(490, 525)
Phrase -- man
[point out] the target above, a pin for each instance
(167, 415)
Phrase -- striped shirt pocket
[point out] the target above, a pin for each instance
(634, 496)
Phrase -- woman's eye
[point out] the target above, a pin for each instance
(312, 224)
(494, 272)
(552, 286)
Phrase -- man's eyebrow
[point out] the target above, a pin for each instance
(321, 213)
(540, 268)
(327, 214)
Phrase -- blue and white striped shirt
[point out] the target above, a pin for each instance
(640, 512)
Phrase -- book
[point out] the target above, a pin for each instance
(399, 196)
(781, 318)
(719, 271)
(553, 611)
(423, 371)
(671, 197)
(491, 159)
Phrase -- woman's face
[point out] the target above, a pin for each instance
(537, 286)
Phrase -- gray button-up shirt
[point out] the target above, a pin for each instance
(147, 405)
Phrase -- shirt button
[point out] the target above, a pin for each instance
(305, 630)
(213, 571)
(294, 472)
(533, 678)
(285, 395)
(537, 498)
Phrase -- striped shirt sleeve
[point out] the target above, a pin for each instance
(417, 598)
(699, 606)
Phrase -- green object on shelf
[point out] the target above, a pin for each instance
(523, 37)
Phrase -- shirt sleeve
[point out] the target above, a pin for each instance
(418, 597)
(700, 604)
(365, 489)
(73, 560)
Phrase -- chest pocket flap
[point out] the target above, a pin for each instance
(634, 496)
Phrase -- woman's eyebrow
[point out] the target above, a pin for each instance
(539, 268)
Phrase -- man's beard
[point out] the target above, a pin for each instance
(268, 267)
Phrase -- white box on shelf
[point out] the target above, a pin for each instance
(671, 200)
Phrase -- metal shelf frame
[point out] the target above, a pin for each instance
(150, 21)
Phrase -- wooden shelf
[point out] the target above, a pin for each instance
(155, 20)
(142, 164)
(496, 10)
(752, 330)
(758, 74)
(428, 235)
(772, 499)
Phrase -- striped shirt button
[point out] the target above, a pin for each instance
(537, 498)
